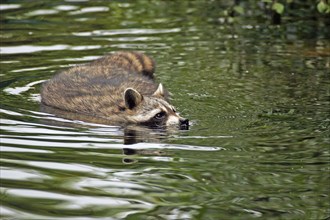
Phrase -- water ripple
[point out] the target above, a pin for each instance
(89, 10)
(9, 6)
(126, 31)
(34, 48)
(19, 90)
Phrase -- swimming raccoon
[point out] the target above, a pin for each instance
(119, 88)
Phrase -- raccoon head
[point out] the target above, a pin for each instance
(153, 111)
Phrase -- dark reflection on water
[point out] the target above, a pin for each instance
(257, 95)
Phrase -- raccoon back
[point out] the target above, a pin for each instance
(98, 87)
(133, 62)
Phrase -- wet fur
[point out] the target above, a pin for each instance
(96, 89)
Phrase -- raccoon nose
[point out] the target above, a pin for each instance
(184, 122)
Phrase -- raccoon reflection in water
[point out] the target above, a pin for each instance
(115, 89)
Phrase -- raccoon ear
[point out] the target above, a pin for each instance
(159, 91)
(132, 98)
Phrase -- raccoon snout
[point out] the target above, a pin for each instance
(184, 123)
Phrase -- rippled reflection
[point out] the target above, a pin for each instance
(257, 96)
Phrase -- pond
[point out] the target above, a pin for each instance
(257, 96)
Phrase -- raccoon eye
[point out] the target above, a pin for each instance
(160, 115)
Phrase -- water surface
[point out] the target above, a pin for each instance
(257, 96)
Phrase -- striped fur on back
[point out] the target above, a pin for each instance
(131, 61)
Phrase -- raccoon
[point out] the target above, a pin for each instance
(116, 88)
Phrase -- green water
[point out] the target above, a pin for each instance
(257, 96)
